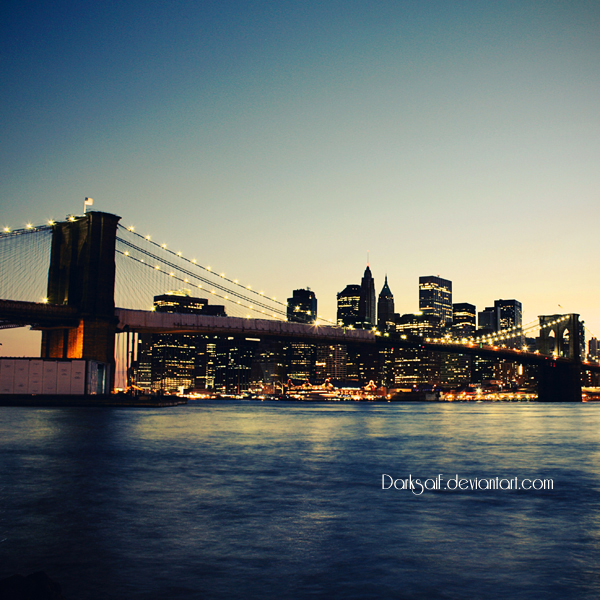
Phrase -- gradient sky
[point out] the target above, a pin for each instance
(281, 141)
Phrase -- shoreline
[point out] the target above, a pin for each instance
(90, 400)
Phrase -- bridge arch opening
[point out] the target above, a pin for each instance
(565, 341)
(552, 347)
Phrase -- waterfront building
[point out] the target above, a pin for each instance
(300, 362)
(414, 366)
(172, 356)
(331, 362)
(168, 362)
(173, 361)
(387, 359)
(362, 364)
(435, 298)
(268, 366)
(456, 368)
(347, 306)
(142, 366)
(483, 369)
(302, 306)
(385, 308)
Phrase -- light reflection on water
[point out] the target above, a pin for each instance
(284, 500)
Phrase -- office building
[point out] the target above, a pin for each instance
(488, 320)
(435, 298)
(347, 306)
(168, 362)
(366, 305)
(173, 361)
(385, 308)
(302, 306)
(464, 320)
(414, 366)
(182, 303)
(510, 313)
(419, 325)
(510, 316)
(331, 362)
(300, 359)
(456, 368)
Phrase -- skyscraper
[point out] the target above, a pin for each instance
(417, 365)
(489, 319)
(347, 305)
(511, 313)
(172, 356)
(456, 368)
(366, 305)
(435, 298)
(464, 319)
(385, 308)
(302, 306)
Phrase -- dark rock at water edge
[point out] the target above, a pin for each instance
(37, 586)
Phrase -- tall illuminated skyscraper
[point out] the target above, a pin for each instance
(366, 305)
(385, 308)
(435, 298)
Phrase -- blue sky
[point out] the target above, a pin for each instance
(282, 141)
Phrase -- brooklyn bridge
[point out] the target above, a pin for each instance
(88, 279)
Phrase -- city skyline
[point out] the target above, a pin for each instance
(279, 145)
(80, 316)
(27, 343)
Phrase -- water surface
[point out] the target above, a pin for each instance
(230, 500)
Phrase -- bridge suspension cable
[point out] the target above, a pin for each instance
(507, 334)
(179, 255)
(515, 332)
(24, 262)
(169, 266)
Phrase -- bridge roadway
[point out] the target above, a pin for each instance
(43, 316)
(37, 314)
(157, 322)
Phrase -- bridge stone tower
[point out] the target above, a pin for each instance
(82, 275)
(565, 331)
(560, 337)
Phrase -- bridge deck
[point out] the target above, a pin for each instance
(156, 322)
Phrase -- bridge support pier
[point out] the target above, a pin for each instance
(559, 382)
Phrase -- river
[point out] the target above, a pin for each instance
(234, 499)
